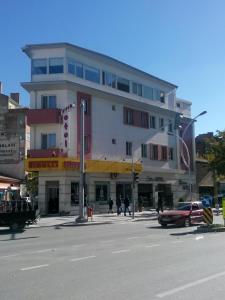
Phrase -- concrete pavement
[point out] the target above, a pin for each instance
(49, 221)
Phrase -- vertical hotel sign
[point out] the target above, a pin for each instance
(65, 117)
(9, 149)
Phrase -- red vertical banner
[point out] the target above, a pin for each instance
(87, 123)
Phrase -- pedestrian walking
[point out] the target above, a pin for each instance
(160, 205)
(118, 205)
(110, 206)
(127, 206)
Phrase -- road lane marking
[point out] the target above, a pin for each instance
(120, 251)
(177, 242)
(107, 241)
(34, 267)
(189, 285)
(8, 256)
(199, 237)
(79, 245)
(135, 237)
(44, 250)
(153, 245)
(83, 258)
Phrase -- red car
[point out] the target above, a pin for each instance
(186, 214)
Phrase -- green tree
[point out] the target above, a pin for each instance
(216, 153)
(32, 183)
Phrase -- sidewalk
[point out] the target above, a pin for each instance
(97, 219)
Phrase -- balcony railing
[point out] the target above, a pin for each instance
(45, 153)
(44, 116)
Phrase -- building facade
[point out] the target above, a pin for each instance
(130, 125)
(14, 136)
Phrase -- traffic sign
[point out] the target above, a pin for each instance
(207, 215)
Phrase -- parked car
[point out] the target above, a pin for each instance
(186, 214)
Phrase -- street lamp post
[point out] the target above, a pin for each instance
(81, 218)
(186, 147)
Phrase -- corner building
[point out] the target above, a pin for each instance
(129, 125)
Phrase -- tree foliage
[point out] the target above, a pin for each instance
(217, 153)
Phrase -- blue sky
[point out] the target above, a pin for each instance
(180, 41)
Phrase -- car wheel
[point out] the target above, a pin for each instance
(187, 222)
(163, 224)
(14, 226)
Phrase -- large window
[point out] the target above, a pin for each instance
(144, 120)
(123, 84)
(102, 192)
(152, 122)
(48, 102)
(161, 124)
(56, 65)
(164, 153)
(129, 148)
(148, 92)
(143, 150)
(109, 79)
(48, 141)
(92, 74)
(74, 198)
(75, 68)
(170, 126)
(39, 66)
(154, 152)
(137, 88)
(128, 116)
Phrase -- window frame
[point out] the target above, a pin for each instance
(74, 202)
(129, 149)
(144, 151)
(40, 67)
(56, 68)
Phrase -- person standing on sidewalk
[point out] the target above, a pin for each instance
(118, 205)
(110, 206)
(127, 206)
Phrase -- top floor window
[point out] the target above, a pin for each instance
(137, 88)
(48, 102)
(39, 66)
(109, 79)
(56, 65)
(92, 74)
(148, 92)
(75, 68)
(123, 84)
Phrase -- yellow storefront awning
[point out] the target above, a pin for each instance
(91, 166)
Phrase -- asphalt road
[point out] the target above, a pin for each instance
(136, 260)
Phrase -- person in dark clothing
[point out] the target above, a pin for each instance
(118, 205)
(160, 205)
(126, 205)
(110, 206)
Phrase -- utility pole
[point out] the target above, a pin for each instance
(81, 218)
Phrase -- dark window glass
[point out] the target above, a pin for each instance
(128, 148)
(123, 84)
(92, 74)
(44, 141)
(154, 152)
(114, 141)
(44, 101)
(137, 88)
(148, 92)
(161, 124)
(152, 121)
(164, 153)
(101, 192)
(143, 150)
(48, 102)
(144, 120)
(55, 65)
(39, 66)
(170, 155)
(74, 198)
(109, 79)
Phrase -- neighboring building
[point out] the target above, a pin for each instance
(14, 136)
(129, 117)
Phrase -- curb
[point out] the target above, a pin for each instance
(203, 229)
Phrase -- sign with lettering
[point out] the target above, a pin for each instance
(45, 164)
(9, 149)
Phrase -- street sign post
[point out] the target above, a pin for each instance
(223, 205)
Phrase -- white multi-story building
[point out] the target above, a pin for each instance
(129, 125)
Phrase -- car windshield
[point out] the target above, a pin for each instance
(184, 207)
